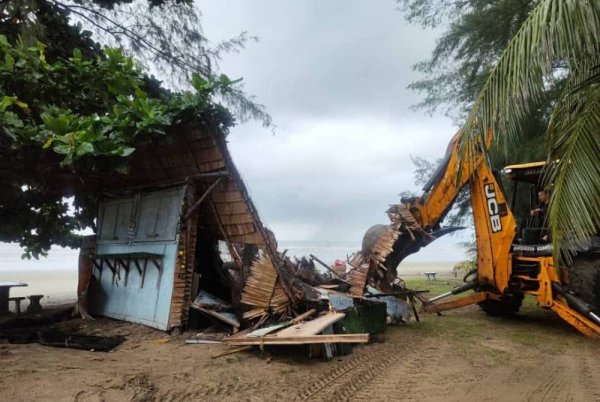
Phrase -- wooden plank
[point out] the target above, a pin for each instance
(236, 219)
(254, 238)
(231, 351)
(272, 328)
(206, 193)
(299, 340)
(206, 153)
(267, 330)
(239, 229)
(210, 166)
(304, 316)
(218, 316)
(311, 327)
(228, 196)
(231, 208)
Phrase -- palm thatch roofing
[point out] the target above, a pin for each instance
(189, 154)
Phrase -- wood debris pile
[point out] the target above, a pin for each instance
(263, 292)
(290, 301)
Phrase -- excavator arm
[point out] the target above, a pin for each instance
(495, 225)
(416, 222)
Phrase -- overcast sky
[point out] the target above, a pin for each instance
(333, 75)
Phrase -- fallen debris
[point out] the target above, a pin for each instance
(83, 342)
(263, 291)
(298, 339)
(228, 318)
(56, 338)
(202, 341)
(313, 327)
(231, 351)
(210, 302)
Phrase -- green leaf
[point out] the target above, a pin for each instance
(20, 104)
(10, 119)
(62, 149)
(199, 83)
(9, 61)
(85, 148)
(6, 102)
(124, 151)
(58, 125)
(123, 169)
(48, 143)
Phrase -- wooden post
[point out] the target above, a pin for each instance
(206, 193)
(325, 265)
(234, 254)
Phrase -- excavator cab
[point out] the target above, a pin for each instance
(532, 234)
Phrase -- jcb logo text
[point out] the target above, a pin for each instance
(493, 210)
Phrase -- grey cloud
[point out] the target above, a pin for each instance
(333, 74)
(358, 53)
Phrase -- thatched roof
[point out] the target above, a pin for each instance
(200, 156)
(188, 154)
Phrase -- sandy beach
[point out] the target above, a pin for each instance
(461, 355)
(54, 276)
(58, 287)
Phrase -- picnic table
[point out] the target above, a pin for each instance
(5, 292)
(430, 275)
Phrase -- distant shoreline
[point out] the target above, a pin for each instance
(56, 276)
(59, 286)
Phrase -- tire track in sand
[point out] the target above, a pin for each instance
(420, 375)
(343, 382)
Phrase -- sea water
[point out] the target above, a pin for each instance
(55, 276)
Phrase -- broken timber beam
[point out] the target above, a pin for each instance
(231, 351)
(460, 302)
(304, 316)
(299, 340)
(199, 202)
(325, 265)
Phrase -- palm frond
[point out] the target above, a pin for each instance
(557, 32)
(559, 39)
(573, 139)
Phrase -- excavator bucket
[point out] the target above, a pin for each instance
(385, 246)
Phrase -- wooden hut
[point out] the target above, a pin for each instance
(157, 227)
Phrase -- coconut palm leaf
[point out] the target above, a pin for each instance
(556, 34)
(573, 139)
(559, 39)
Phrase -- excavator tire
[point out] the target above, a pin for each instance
(584, 279)
(506, 308)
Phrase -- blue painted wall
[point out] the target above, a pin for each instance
(127, 225)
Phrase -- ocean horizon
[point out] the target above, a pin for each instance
(55, 276)
(65, 259)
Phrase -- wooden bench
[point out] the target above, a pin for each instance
(430, 275)
(17, 301)
(34, 303)
(5, 294)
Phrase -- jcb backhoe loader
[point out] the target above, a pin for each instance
(512, 260)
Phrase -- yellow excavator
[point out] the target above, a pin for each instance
(513, 260)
